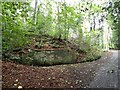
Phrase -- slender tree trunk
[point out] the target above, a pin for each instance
(65, 26)
(58, 21)
(37, 15)
(68, 32)
(34, 16)
(94, 23)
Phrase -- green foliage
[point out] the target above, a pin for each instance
(12, 24)
(114, 22)
(93, 54)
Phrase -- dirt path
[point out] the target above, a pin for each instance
(107, 75)
(80, 75)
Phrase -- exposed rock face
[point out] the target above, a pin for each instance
(51, 57)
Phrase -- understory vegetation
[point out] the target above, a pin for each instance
(54, 32)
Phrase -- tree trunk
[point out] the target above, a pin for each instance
(94, 23)
(34, 16)
(58, 21)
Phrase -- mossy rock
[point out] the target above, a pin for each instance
(54, 57)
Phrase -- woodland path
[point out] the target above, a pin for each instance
(107, 75)
(101, 73)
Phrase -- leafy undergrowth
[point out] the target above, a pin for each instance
(45, 50)
(92, 55)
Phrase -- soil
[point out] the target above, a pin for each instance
(59, 76)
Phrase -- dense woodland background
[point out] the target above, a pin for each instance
(90, 26)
